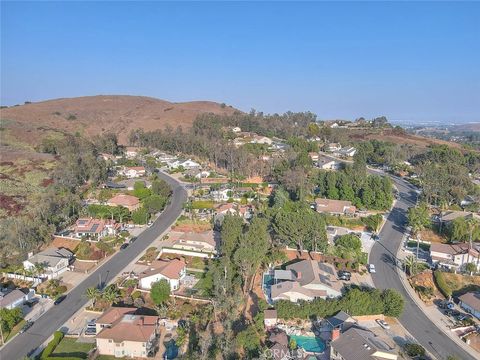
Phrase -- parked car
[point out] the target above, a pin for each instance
(132, 240)
(383, 323)
(59, 299)
(32, 302)
(463, 317)
(452, 313)
(447, 305)
(150, 223)
(371, 268)
(124, 246)
(27, 326)
(344, 275)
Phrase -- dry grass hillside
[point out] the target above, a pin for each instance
(93, 115)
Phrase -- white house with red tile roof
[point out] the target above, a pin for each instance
(171, 270)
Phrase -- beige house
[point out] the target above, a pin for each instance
(171, 270)
(305, 280)
(122, 333)
(455, 256)
(205, 242)
(335, 207)
(132, 203)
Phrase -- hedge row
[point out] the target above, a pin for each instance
(442, 284)
(57, 337)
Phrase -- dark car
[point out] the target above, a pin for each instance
(447, 305)
(344, 275)
(25, 327)
(59, 299)
(124, 246)
(452, 313)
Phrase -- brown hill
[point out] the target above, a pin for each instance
(91, 115)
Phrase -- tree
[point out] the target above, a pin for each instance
(110, 294)
(92, 294)
(413, 349)
(160, 292)
(349, 241)
(471, 268)
(140, 216)
(154, 203)
(418, 218)
(373, 222)
(161, 187)
(393, 303)
(9, 318)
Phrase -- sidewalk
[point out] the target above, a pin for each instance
(434, 314)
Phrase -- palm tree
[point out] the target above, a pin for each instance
(40, 268)
(110, 294)
(409, 263)
(92, 294)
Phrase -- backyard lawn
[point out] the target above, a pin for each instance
(69, 347)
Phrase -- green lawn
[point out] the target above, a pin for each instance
(69, 347)
(15, 330)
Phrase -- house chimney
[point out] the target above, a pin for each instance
(335, 334)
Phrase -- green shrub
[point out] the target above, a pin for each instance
(414, 349)
(57, 337)
(442, 284)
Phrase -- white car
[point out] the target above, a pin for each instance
(383, 323)
(371, 268)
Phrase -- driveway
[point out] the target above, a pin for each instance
(57, 316)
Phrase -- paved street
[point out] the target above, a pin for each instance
(58, 315)
(383, 255)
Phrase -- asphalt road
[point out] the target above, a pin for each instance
(54, 318)
(383, 255)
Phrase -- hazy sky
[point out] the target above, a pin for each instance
(408, 61)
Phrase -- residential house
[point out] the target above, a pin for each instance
(332, 147)
(447, 217)
(470, 302)
(132, 172)
(455, 256)
(258, 139)
(132, 203)
(185, 164)
(270, 318)
(333, 232)
(131, 152)
(245, 211)
(326, 163)
(314, 156)
(340, 320)
(359, 344)
(123, 333)
(204, 242)
(335, 207)
(221, 195)
(171, 270)
(305, 280)
(55, 260)
(348, 152)
(12, 299)
(96, 228)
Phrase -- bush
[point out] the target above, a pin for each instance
(57, 337)
(414, 349)
(442, 284)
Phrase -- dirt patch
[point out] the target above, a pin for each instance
(12, 205)
(461, 284)
(192, 227)
(424, 286)
(432, 236)
(59, 242)
(82, 266)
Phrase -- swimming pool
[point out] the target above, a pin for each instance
(171, 349)
(310, 344)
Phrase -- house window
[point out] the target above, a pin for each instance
(109, 340)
